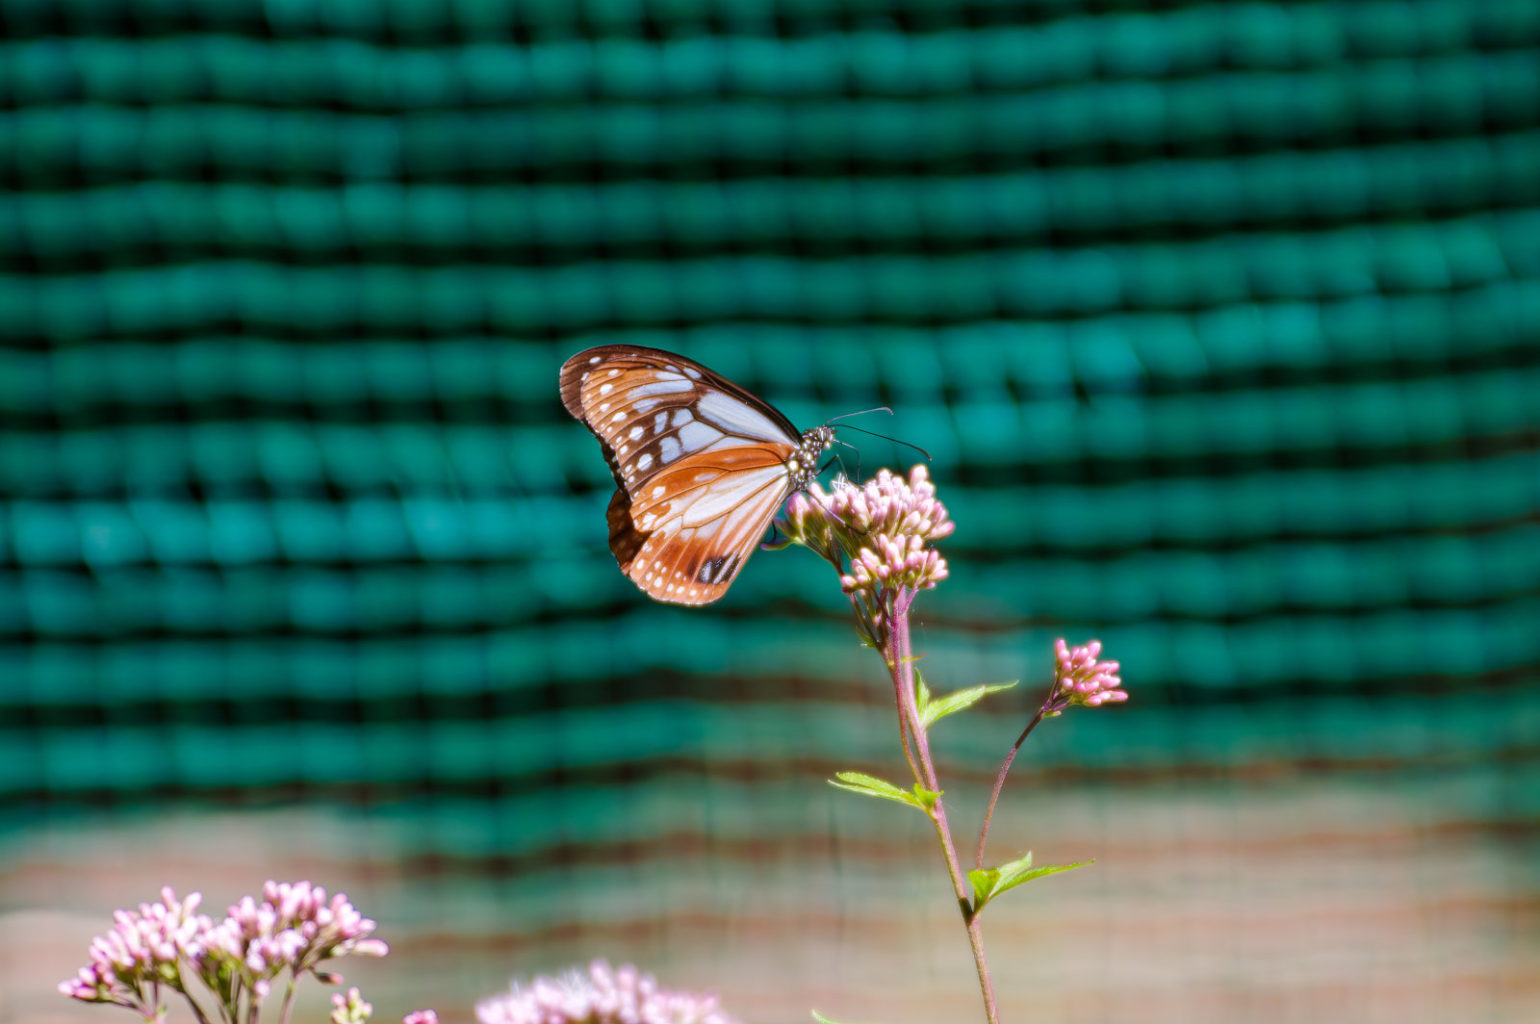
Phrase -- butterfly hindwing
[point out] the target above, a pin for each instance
(696, 523)
(700, 465)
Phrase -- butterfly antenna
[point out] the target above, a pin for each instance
(863, 412)
(895, 440)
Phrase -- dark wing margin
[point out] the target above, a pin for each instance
(573, 369)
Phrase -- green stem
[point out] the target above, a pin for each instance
(989, 811)
(903, 681)
(288, 1000)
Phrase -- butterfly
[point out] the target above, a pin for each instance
(700, 465)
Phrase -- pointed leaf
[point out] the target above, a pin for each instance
(932, 710)
(926, 797)
(821, 1019)
(991, 882)
(984, 882)
(870, 785)
(921, 697)
(1013, 881)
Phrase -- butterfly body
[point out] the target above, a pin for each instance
(700, 465)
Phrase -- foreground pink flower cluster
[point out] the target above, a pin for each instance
(142, 951)
(164, 945)
(604, 995)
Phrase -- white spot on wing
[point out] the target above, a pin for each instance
(662, 385)
(605, 389)
(644, 461)
(669, 449)
(695, 436)
(735, 417)
(660, 424)
(594, 360)
(635, 433)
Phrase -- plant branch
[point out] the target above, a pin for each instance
(994, 795)
(903, 681)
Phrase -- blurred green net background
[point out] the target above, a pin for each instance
(1221, 321)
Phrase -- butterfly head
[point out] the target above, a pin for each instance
(804, 465)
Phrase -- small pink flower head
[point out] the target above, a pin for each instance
(351, 1008)
(893, 562)
(420, 1017)
(881, 528)
(604, 995)
(142, 948)
(1081, 678)
(295, 927)
(890, 505)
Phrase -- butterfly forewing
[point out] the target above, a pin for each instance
(652, 408)
(701, 466)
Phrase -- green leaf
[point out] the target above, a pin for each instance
(870, 785)
(991, 882)
(821, 1019)
(931, 710)
(927, 797)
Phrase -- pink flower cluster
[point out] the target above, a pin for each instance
(604, 995)
(294, 928)
(889, 505)
(143, 950)
(899, 562)
(880, 527)
(1080, 678)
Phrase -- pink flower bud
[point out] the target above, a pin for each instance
(1082, 679)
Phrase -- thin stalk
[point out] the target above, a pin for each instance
(887, 656)
(197, 1009)
(903, 681)
(288, 1000)
(994, 795)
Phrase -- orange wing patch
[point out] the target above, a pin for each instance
(686, 535)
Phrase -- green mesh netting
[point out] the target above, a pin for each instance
(1220, 321)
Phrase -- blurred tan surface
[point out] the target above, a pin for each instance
(1267, 903)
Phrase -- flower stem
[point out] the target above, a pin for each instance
(288, 1002)
(903, 681)
(1005, 767)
